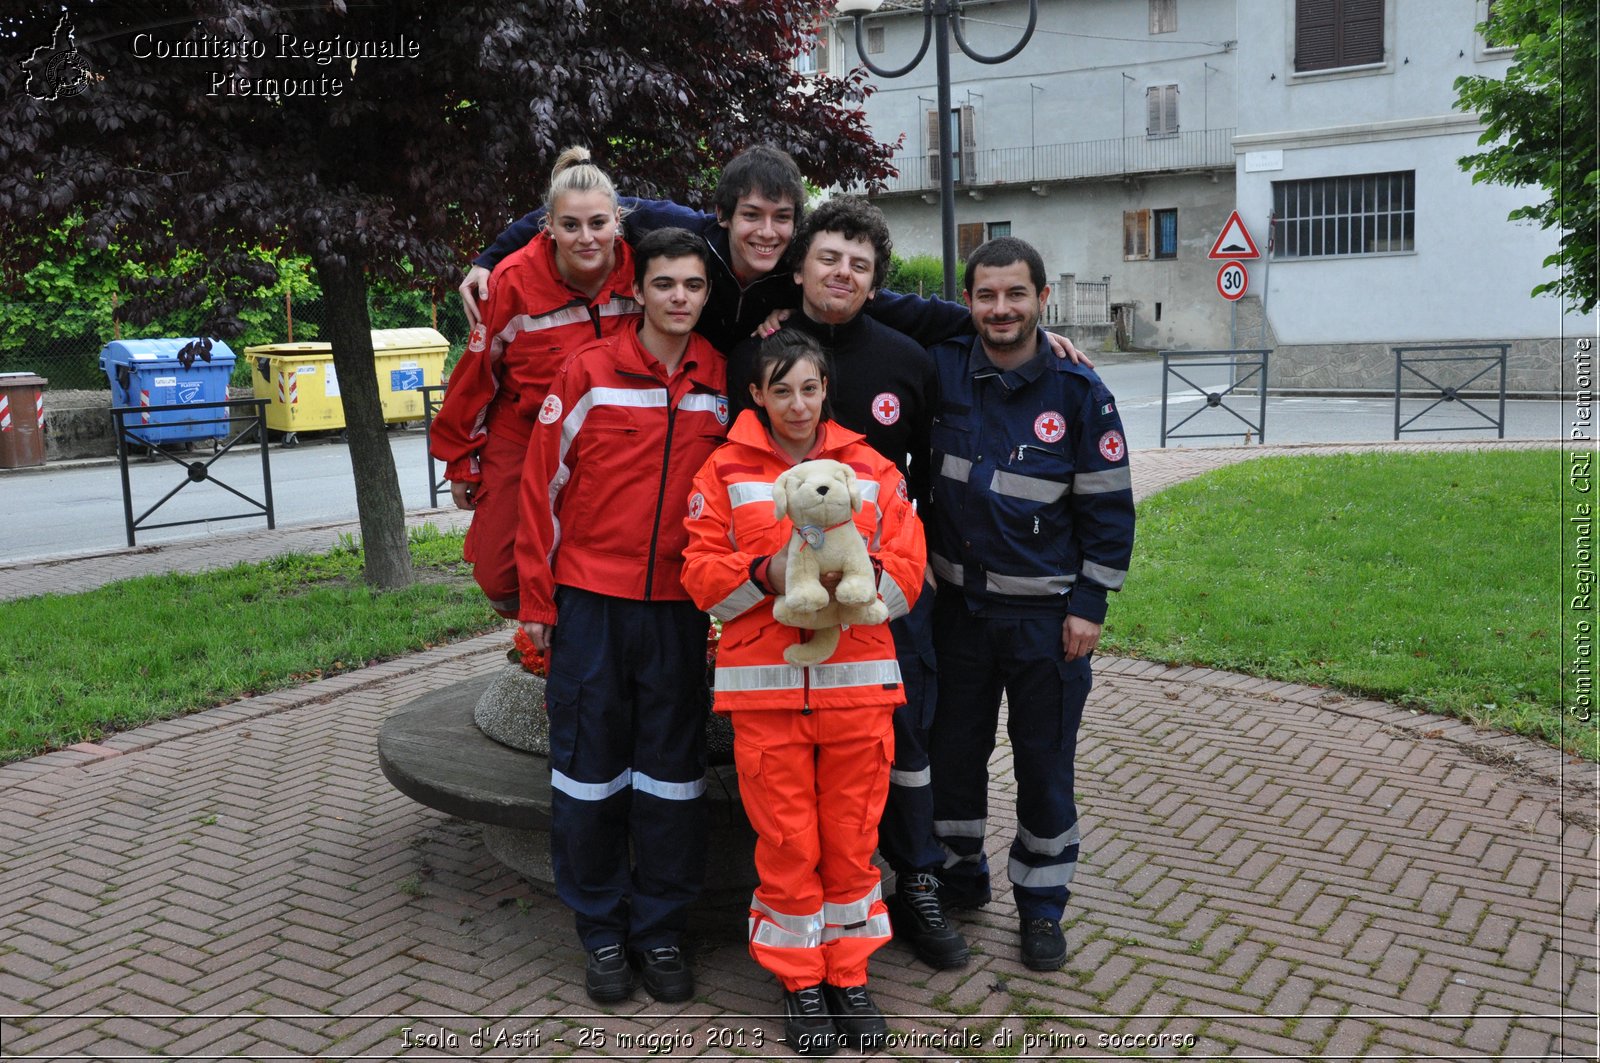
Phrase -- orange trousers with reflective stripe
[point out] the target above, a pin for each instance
(813, 786)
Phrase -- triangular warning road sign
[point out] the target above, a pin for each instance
(1235, 241)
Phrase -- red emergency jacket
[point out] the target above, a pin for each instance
(610, 462)
(731, 526)
(531, 322)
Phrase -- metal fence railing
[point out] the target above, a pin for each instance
(1443, 380)
(1252, 383)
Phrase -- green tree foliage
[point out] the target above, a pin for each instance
(393, 165)
(1540, 128)
(917, 275)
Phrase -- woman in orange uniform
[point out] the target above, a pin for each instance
(813, 745)
(573, 283)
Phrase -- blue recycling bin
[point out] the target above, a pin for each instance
(148, 372)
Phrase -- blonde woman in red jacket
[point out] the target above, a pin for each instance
(813, 745)
(572, 284)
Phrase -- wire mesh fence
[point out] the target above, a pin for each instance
(64, 347)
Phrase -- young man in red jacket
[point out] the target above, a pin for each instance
(627, 424)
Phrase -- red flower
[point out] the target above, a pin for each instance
(530, 657)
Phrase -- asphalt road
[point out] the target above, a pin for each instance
(76, 508)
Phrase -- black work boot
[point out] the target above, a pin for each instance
(665, 973)
(858, 1019)
(606, 975)
(918, 918)
(1044, 947)
(807, 1024)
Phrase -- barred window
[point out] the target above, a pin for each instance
(1364, 214)
(1165, 223)
(999, 228)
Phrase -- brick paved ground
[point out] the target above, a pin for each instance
(1271, 870)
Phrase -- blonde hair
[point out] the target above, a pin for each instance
(573, 172)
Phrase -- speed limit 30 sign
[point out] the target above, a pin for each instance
(1232, 280)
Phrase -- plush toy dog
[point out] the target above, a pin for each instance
(820, 498)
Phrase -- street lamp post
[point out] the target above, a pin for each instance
(936, 26)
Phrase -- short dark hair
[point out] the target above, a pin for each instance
(1003, 251)
(854, 219)
(762, 168)
(668, 243)
(779, 353)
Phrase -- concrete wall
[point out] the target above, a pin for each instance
(77, 425)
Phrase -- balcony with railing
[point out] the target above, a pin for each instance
(1205, 149)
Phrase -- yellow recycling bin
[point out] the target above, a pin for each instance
(302, 386)
(407, 359)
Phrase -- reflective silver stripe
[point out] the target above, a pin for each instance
(876, 927)
(893, 596)
(589, 791)
(1048, 846)
(639, 398)
(618, 307)
(911, 778)
(742, 494)
(746, 596)
(1029, 585)
(955, 468)
(1109, 578)
(946, 571)
(782, 931)
(869, 491)
(855, 674)
(669, 791)
(1015, 485)
(1099, 483)
(1040, 877)
(570, 315)
(856, 911)
(958, 828)
(952, 858)
(759, 677)
(701, 402)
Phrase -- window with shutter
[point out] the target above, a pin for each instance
(967, 171)
(968, 237)
(932, 141)
(1329, 34)
(1135, 234)
(874, 40)
(1163, 16)
(1161, 102)
(999, 228)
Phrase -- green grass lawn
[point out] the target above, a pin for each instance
(1429, 580)
(75, 667)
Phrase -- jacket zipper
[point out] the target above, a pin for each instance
(661, 495)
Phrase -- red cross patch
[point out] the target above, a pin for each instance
(900, 489)
(480, 338)
(1112, 448)
(886, 408)
(722, 410)
(697, 505)
(550, 412)
(1050, 426)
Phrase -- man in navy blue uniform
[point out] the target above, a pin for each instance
(1030, 527)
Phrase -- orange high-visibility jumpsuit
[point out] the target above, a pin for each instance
(813, 745)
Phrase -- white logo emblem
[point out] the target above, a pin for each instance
(1112, 448)
(1050, 426)
(697, 505)
(480, 338)
(550, 412)
(722, 409)
(886, 408)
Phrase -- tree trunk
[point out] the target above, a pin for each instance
(385, 550)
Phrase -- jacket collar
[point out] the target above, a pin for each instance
(979, 365)
(618, 284)
(749, 431)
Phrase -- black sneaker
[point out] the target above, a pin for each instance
(859, 1021)
(606, 975)
(807, 1024)
(665, 974)
(956, 899)
(1043, 946)
(918, 917)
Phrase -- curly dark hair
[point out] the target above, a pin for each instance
(854, 219)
